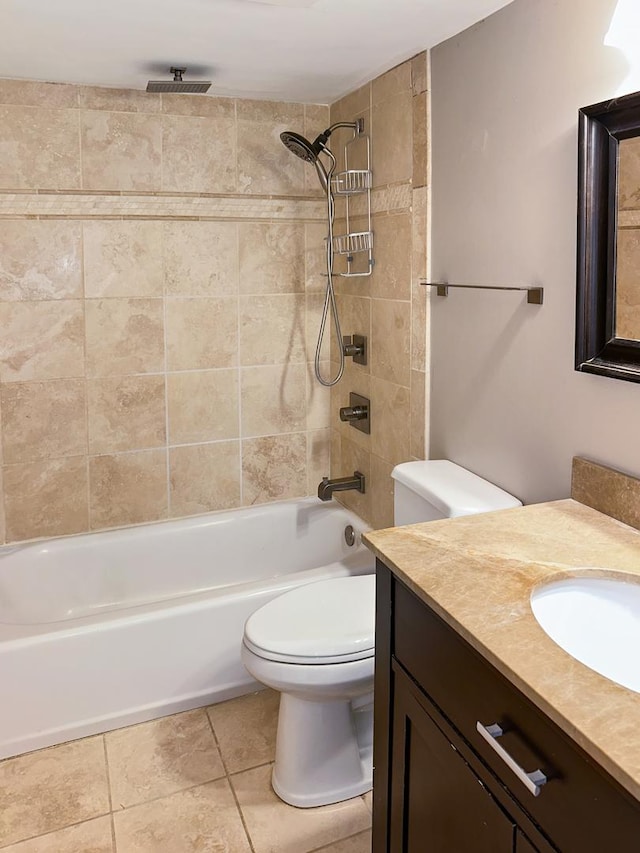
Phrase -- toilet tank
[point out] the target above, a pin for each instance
(437, 488)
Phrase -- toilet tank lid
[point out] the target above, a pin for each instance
(451, 489)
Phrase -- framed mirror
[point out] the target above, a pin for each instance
(608, 296)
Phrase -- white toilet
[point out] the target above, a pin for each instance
(315, 645)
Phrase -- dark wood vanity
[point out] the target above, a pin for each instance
(442, 786)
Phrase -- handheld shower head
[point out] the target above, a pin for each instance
(301, 147)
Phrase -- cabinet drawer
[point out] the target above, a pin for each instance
(581, 808)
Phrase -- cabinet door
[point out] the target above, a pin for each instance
(523, 845)
(438, 804)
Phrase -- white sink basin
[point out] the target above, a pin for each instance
(595, 620)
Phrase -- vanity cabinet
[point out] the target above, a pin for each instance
(441, 786)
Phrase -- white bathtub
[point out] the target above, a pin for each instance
(108, 629)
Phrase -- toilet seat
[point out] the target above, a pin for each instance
(327, 622)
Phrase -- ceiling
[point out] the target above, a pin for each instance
(293, 50)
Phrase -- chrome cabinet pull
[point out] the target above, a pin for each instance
(533, 781)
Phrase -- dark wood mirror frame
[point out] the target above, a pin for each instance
(601, 128)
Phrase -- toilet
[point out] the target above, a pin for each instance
(315, 644)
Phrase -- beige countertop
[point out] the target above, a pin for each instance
(478, 572)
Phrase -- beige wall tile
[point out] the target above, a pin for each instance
(271, 257)
(273, 399)
(315, 257)
(418, 414)
(381, 493)
(29, 93)
(41, 340)
(39, 148)
(45, 498)
(121, 151)
(40, 260)
(201, 258)
(391, 277)
(52, 788)
(274, 468)
(204, 477)
(390, 340)
(419, 202)
(43, 420)
(275, 826)
(93, 836)
(272, 329)
(393, 144)
(199, 105)
(203, 406)
(392, 83)
(419, 72)
(198, 154)
(318, 458)
(126, 413)
(318, 404)
(128, 489)
(202, 819)
(391, 426)
(245, 729)
(123, 259)
(201, 333)
(351, 106)
(420, 140)
(124, 336)
(119, 100)
(264, 164)
(161, 757)
(314, 304)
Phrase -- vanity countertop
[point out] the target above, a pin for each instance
(477, 572)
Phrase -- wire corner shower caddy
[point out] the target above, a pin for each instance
(347, 184)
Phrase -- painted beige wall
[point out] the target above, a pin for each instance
(506, 401)
(390, 306)
(160, 289)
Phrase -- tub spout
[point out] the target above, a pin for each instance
(341, 484)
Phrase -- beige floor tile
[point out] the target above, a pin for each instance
(94, 836)
(203, 819)
(360, 843)
(51, 789)
(275, 827)
(246, 729)
(161, 757)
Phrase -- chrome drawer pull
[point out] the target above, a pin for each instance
(533, 781)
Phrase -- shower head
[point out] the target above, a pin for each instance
(301, 147)
(178, 85)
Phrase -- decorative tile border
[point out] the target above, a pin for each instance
(149, 205)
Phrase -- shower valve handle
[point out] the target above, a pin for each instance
(354, 413)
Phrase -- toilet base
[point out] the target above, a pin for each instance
(324, 750)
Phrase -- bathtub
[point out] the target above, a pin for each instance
(108, 629)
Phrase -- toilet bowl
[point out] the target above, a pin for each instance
(315, 645)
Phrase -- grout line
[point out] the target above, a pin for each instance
(228, 778)
(338, 841)
(165, 374)
(53, 831)
(106, 763)
(114, 844)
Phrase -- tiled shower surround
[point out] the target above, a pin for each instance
(390, 306)
(160, 288)
(161, 284)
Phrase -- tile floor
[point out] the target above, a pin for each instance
(197, 781)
